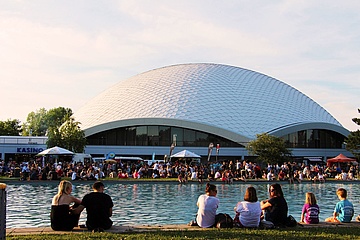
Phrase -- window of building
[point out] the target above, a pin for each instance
(141, 136)
(314, 138)
(164, 136)
(177, 136)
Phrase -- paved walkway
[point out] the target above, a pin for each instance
(124, 229)
(114, 229)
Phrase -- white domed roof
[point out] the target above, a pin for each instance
(228, 98)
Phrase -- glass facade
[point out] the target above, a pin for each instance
(314, 138)
(166, 135)
(157, 136)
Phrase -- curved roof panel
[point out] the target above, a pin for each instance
(237, 100)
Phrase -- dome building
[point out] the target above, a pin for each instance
(193, 105)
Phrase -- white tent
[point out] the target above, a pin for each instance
(55, 151)
(185, 154)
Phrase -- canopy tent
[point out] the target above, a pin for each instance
(185, 154)
(55, 151)
(341, 158)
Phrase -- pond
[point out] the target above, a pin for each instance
(28, 204)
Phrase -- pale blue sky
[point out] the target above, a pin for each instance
(63, 53)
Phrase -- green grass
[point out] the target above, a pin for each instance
(298, 233)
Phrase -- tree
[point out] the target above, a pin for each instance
(57, 116)
(35, 123)
(54, 138)
(353, 140)
(10, 127)
(39, 122)
(269, 149)
(68, 135)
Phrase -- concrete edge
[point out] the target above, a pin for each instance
(146, 228)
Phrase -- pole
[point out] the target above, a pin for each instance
(211, 145)
(2, 211)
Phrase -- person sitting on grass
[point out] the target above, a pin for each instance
(98, 208)
(207, 203)
(275, 208)
(248, 212)
(310, 211)
(62, 216)
(344, 209)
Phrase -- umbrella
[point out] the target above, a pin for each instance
(110, 161)
(55, 151)
(185, 154)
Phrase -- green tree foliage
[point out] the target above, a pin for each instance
(353, 140)
(68, 135)
(269, 149)
(10, 128)
(35, 123)
(39, 122)
(357, 120)
(57, 116)
(54, 138)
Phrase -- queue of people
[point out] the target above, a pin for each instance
(251, 213)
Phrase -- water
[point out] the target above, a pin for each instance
(28, 205)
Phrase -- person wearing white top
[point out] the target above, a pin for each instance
(217, 175)
(270, 175)
(156, 166)
(207, 203)
(248, 212)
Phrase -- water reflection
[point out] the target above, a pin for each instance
(28, 205)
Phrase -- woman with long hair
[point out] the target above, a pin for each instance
(310, 211)
(61, 215)
(275, 208)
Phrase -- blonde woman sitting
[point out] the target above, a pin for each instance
(61, 215)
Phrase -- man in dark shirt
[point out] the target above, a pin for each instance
(98, 207)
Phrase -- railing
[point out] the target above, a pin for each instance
(22, 140)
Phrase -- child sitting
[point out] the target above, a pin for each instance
(310, 211)
(344, 210)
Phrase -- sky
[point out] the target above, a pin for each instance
(64, 53)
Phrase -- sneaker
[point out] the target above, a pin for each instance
(96, 230)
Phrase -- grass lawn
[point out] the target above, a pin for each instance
(298, 233)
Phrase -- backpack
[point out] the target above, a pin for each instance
(223, 220)
(290, 221)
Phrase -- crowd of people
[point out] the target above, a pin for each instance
(252, 213)
(227, 171)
